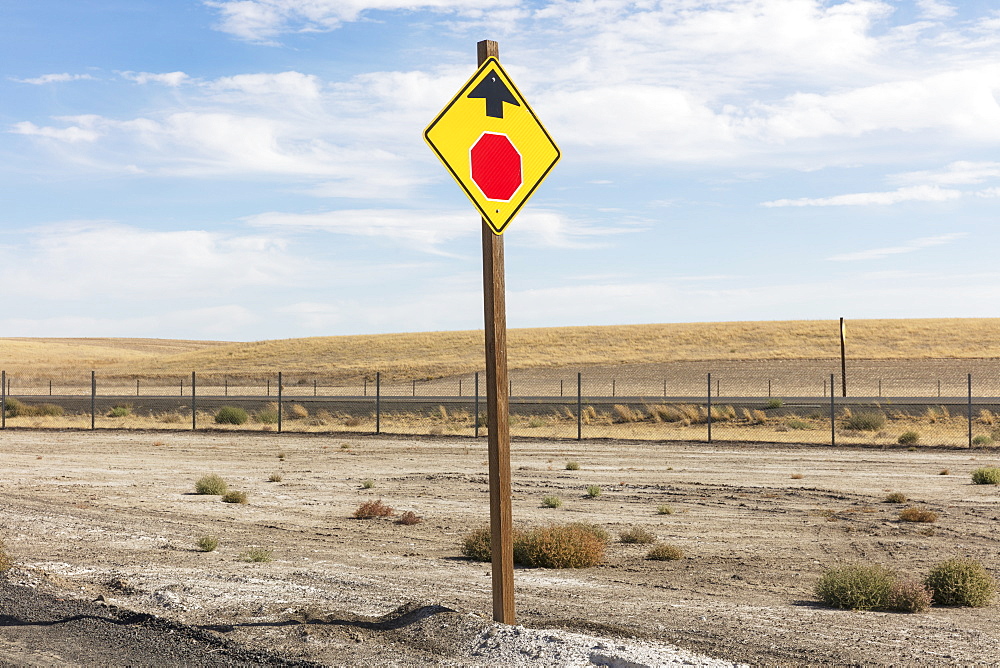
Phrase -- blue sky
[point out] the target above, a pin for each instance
(255, 169)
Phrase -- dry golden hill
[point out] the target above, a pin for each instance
(437, 354)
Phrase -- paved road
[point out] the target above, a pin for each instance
(522, 405)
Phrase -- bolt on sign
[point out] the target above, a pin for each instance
(493, 144)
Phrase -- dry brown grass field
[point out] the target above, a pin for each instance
(428, 355)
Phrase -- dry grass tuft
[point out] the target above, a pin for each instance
(914, 514)
(637, 536)
(234, 497)
(372, 509)
(664, 552)
(409, 518)
(6, 562)
(555, 546)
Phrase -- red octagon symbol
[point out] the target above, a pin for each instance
(496, 166)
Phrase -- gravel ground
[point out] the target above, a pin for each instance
(101, 527)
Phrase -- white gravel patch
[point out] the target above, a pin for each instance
(503, 645)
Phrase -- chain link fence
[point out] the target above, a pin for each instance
(931, 402)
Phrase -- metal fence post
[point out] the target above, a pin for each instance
(476, 420)
(93, 399)
(579, 406)
(136, 387)
(378, 402)
(970, 410)
(280, 384)
(709, 407)
(833, 416)
(194, 402)
(3, 399)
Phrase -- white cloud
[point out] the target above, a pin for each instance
(285, 84)
(425, 230)
(908, 247)
(172, 79)
(85, 131)
(908, 194)
(53, 78)
(261, 20)
(961, 102)
(83, 259)
(935, 9)
(428, 231)
(960, 172)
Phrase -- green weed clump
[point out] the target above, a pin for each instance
(257, 555)
(637, 536)
(774, 403)
(267, 415)
(234, 497)
(120, 411)
(664, 509)
(593, 491)
(961, 582)
(231, 415)
(857, 587)
(986, 475)
(982, 439)
(210, 484)
(551, 502)
(664, 552)
(867, 421)
(367, 484)
(572, 466)
(873, 587)
(207, 543)
(908, 438)
(17, 408)
(896, 497)
(275, 477)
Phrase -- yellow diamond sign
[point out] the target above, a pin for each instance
(493, 144)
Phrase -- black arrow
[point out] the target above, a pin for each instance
(495, 92)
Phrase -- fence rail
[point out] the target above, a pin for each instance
(962, 412)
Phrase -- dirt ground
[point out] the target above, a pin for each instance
(111, 516)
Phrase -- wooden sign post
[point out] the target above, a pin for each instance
(497, 408)
(490, 140)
